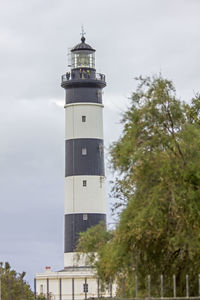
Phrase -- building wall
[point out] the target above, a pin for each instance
(67, 282)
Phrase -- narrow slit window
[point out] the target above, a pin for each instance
(99, 93)
(85, 217)
(84, 151)
(84, 182)
(83, 118)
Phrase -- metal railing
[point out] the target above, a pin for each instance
(83, 76)
(163, 291)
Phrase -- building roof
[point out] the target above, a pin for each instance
(82, 46)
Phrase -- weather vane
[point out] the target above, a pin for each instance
(82, 31)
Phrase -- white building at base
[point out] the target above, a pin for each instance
(71, 284)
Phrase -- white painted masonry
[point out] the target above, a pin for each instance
(80, 199)
(91, 128)
(70, 259)
(69, 278)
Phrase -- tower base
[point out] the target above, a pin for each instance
(75, 260)
(71, 284)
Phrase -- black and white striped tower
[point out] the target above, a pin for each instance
(85, 203)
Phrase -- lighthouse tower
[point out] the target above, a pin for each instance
(85, 204)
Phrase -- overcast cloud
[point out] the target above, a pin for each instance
(132, 37)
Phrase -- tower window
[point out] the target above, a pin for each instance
(99, 93)
(100, 149)
(84, 151)
(83, 118)
(84, 182)
(85, 217)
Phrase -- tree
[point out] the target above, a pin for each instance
(13, 285)
(157, 168)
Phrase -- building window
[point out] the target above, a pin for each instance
(100, 149)
(41, 289)
(85, 288)
(84, 151)
(84, 182)
(83, 118)
(85, 217)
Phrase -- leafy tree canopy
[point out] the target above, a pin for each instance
(156, 163)
(13, 285)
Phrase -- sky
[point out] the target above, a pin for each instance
(131, 38)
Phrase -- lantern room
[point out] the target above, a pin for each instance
(83, 56)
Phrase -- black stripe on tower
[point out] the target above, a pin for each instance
(83, 94)
(84, 157)
(76, 223)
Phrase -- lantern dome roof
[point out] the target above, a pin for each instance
(82, 46)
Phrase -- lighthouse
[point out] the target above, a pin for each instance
(85, 204)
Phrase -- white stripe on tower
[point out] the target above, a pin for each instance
(91, 113)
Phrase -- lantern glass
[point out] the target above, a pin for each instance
(83, 59)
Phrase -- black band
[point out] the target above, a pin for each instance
(83, 94)
(76, 223)
(76, 163)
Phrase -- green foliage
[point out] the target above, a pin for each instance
(91, 241)
(157, 169)
(13, 285)
(41, 297)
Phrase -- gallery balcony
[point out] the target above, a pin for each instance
(83, 77)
